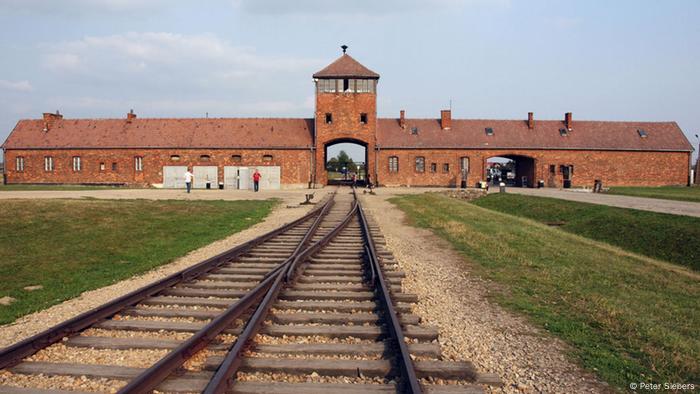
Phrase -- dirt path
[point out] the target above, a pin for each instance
(686, 208)
(471, 328)
(39, 321)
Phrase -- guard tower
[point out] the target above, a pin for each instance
(346, 111)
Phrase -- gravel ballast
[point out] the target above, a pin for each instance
(527, 359)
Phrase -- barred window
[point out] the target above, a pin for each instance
(102, 166)
(76, 163)
(393, 164)
(446, 167)
(138, 163)
(433, 167)
(48, 163)
(114, 166)
(19, 164)
(420, 164)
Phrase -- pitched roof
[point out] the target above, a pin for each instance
(346, 67)
(514, 134)
(163, 133)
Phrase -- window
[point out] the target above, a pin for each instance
(267, 158)
(138, 163)
(563, 132)
(393, 164)
(362, 86)
(76, 163)
(114, 166)
(236, 158)
(363, 118)
(204, 157)
(552, 169)
(464, 164)
(433, 167)
(446, 167)
(420, 164)
(414, 130)
(102, 166)
(48, 163)
(346, 85)
(642, 133)
(174, 157)
(489, 131)
(329, 118)
(19, 164)
(326, 85)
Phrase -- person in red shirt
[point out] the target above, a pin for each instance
(256, 180)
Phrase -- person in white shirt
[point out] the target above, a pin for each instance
(188, 179)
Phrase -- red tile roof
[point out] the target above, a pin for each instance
(165, 133)
(346, 67)
(514, 134)
(298, 133)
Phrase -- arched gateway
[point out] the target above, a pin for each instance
(346, 111)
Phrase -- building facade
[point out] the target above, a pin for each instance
(293, 152)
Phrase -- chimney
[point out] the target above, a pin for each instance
(50, 119)
(530, 120)
(568, 120)
(130, 116)
(402, 119)
(446, 119)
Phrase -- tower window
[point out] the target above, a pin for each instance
(329, 118)
(346, 85)
(393, 164)
(363, 118)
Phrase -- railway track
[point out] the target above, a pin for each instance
(315, 306)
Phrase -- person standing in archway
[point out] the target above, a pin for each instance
(256, 180)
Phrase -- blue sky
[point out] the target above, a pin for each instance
(601, 60)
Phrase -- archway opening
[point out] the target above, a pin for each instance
(346, 162)
(513, 170)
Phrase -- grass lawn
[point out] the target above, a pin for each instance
(680, 193)
(69, 246)
(20, 187)
(627, 319)
(673, 238)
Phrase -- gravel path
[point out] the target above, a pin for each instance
(39, 321)
(686, 208)
(471, 328)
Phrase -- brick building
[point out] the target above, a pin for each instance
(293, 152)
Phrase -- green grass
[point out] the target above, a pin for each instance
(680, 193)
(673, 238)
(21, 187)
(69, 246)
(627, 319)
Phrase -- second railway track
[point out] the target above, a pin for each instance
(313, 307)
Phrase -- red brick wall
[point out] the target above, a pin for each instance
(295, 164)
(346, 109)
(613, 168)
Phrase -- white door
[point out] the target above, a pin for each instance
(270, 177)
(204, 175)
(245, 178)
(231, 177)
(174, 177)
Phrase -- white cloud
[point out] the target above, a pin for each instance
(199, 57)
(356, 7)
(18, 86)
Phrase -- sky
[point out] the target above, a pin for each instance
(497, 59)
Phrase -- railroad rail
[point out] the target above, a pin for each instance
(315, 306)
